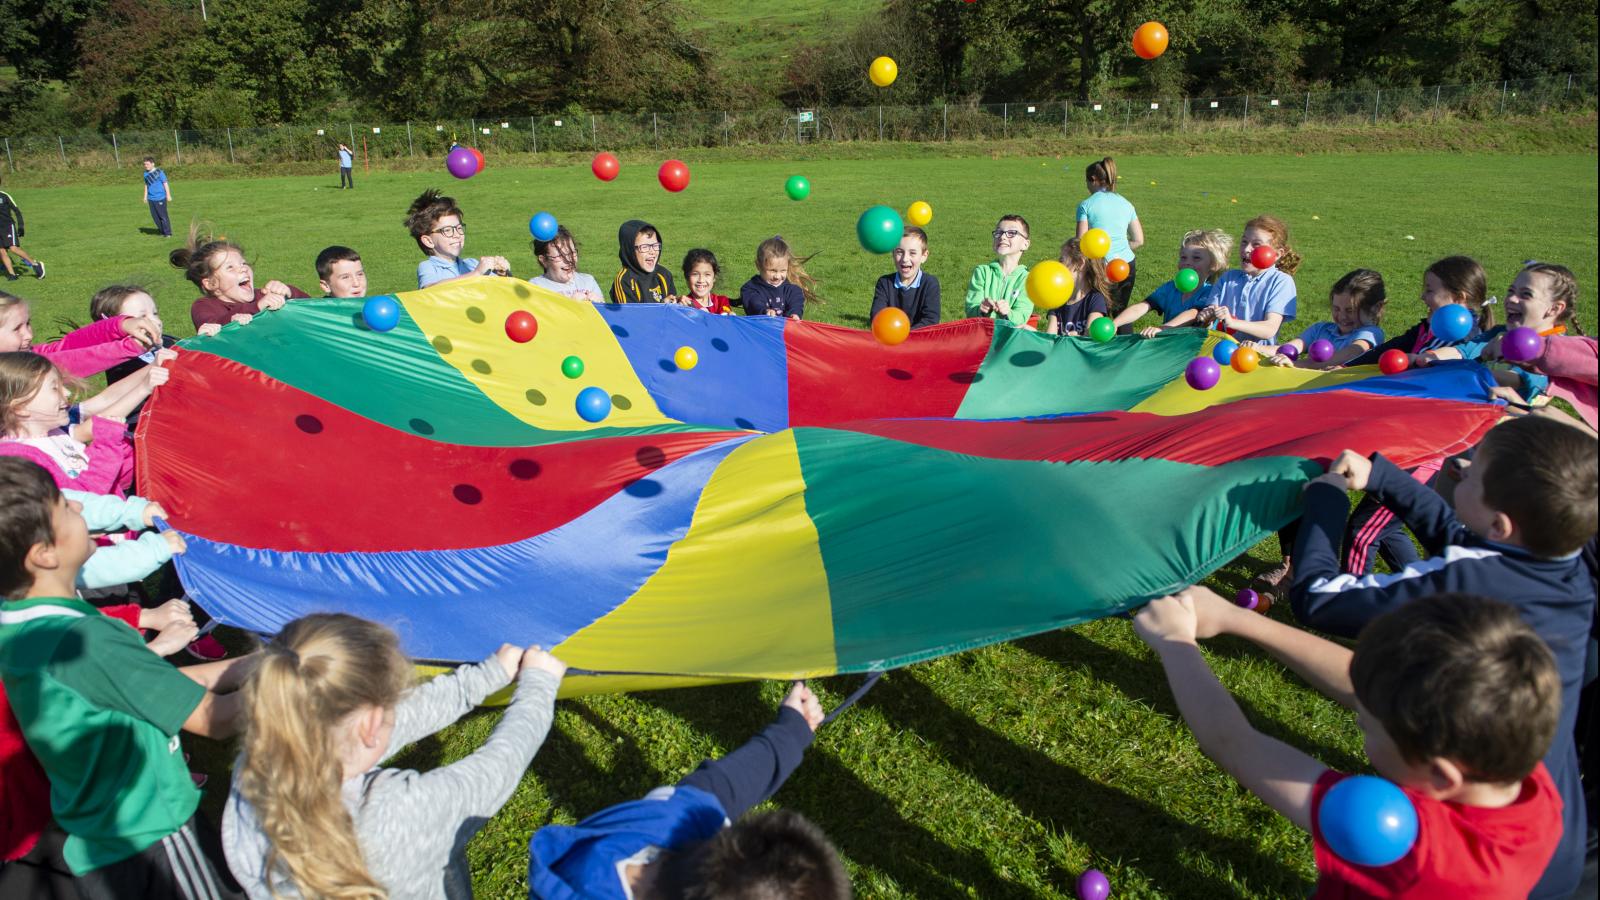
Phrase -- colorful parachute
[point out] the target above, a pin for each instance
(805, 501)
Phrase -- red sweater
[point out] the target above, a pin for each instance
(211, 311)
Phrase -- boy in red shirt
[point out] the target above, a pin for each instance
(1458, 700)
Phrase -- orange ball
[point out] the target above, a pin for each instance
(1150, 41)
(1245, 360)
(891, 326)
(1117, 270)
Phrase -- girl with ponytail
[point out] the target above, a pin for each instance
(311, 814)
(1253, 302)
(1111, 212)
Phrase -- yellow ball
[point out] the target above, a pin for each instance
(1095, 243)
(1049, 284)
(919, 213)
(686, 358)
(883, 71)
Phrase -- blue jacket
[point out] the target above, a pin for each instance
(1554, 596)
(786, 299)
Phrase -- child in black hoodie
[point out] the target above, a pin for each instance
(640, 280)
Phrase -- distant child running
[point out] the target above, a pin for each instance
(11, 230)
(700, 273)
(1357, 302)
(440, 230)
(641, 279)
(227, 283)
(996, 288)
(780, 286)
(908, 288)
(157, 192)
(1206, 252)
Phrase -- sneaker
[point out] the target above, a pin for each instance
(1270, 584)
(207, 648)
(38, 269)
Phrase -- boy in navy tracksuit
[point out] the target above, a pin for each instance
(1524, 510)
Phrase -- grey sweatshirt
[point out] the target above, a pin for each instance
(413, 827)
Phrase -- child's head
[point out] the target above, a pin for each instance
(1458, 279)
(217, 267)
(16, 323)
(1206, 252)
(1533, 483)
(149, 163)
(39, 528)
(1454, 688)
(1357, 299)
(436, 223)
(558, 257)
(778, 855)
(123, 300)
(319, 705)
(33, 394)
(1269, 231)
(1011, 236)
(639, 244)
(340, 272)
(912, 253)
(1101, 175)
(776, 264)
(1543, 296)
(700, 271)
(1088, 274)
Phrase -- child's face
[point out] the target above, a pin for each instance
(1346, 312)
(16, 329)
(149, 166)
(231, 279)
(1385, 756)
(560, 261)
(1196, 258)
(448, 237)
(346, 278)
(1010, 238)
(1248, 242)
(775, 271)
(72, 544)
(702, 278)
(1530, 304)
(1434, 294)
(1470, 506)
(909, 257)
(46, 410)
(140, 306)
(646, 250)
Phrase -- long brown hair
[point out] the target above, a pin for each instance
(22, 374)
(1563, 289)
(319, 670)
(1102, 172)
(776, 247)
(198, 256)
(1465, 279)
(1090, 272)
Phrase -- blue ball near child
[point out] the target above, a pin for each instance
(593, 404)
(1223, 351)
(1368, 821)
(543, 226)
(1451, 323)
(381, 313)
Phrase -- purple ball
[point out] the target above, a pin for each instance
(1093, 885)
(1248, 599)
(1522, 345)
(1321, 351)
(461, 163)
(1290, 351)
(1202, 373)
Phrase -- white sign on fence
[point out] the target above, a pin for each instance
(505, 124)
(558, 123)
(1274, 102)
(1213, 104)
(1030, 109)
(377, 131)
(319, 132)
(806, 115)
(1097, 107)
(1155, 106)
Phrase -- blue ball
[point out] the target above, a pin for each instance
(543, 226)
(1223, 352)
(1368, 821)
(594, 404)
(1451, 323)
(381, 313)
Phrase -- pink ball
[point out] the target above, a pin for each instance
(1522, 345)
(1202, 373)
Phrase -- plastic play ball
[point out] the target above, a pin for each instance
(381, 313)
(1291, 351)
(1117, 270)
(1245, 360)
(593, 404)
(521, 326)
(605, 167)
(1263, 257)
(1095, 243)
(1150, 40)
(1202, 373)
(879, 229)
(1093, 885)
(461, 163)
(1393, 362)
(1247, 598)
(1321, 351)
(686, 358)
(673, 175)
(572, 367)
(1223, 351)
(543, 226)
(1049, 284)
(1368, 821)
(891, 326)
(1521, 345)
(477, 158)
(919, 213)
(1102, 329)
(1451, 323)
(883, 71)
(797, 187)
(1187, 280)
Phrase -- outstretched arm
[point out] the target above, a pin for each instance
(756, 770)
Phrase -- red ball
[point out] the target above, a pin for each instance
(1263, 257)
(605, 166)
(1393, 362)
(674, 175)
(521, 326)
(477, 156)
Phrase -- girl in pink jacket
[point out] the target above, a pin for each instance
(87, 351)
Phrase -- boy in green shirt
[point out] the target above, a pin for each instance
(101, 712)
(996, 288)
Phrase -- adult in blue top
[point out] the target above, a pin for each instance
(346, 161)
(1111, 212)
(157, 191)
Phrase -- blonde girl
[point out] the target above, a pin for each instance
(36, 422)
(1090, 293)
(780, 286)
(311, 814)
(84, 352)
(1204, 251)
(227, 284)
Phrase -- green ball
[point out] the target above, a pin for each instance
(1102, 329)
(879, 229)
(797, 187)
(1187, 280)
(572, 367)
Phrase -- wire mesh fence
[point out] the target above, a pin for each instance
(687, 129)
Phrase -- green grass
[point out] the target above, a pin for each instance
(1001, 772)
(753, 42)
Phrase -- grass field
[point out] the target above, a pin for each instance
(753, 40)
(1000, 772)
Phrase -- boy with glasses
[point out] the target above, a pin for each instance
(435, 222)
(559, 259)
(641, 280)
(996, 288)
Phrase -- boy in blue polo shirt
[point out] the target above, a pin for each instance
(346, 161)
(438, 227)
(157, 191)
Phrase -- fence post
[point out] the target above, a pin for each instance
(63, 147)
(177, 148)
(1377, 98)
(1247, 110)
(229, 129)
(9, 161)
(1005, 120)
(1503, 86)
(409, 150)
(1066, 117)
(1568, 89)
(115, 152)
(1306, 116)
(352, 127)
(1436, 103)
(880, 121)
(1184, 121)
(533, 129)
(594, 133)
(726, 138)
(1127, 114)
(474, 129)
(946, 116)
(655, 129)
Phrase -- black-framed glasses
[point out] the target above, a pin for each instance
(644, 248)
(1007, 233)
(451, 230)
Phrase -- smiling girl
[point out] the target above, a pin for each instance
(227, 284)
